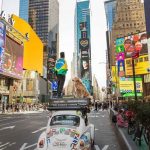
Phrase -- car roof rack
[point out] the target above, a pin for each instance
(68, 104)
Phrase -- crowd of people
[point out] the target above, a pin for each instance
(19, 107)
(101, 105)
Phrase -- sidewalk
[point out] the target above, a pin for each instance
(22, 112)
(128, 139)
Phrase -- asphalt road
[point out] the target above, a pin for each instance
(21, 131)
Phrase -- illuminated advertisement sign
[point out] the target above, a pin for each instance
(50, 67)
(127, 87)
(2, 41)
(120, 56)
(121, 68)
(114, 75)
(84, 44)
(147, 14)
(30, 84)
(141, 65)
(136, 42)
(83, 26)
(119, 45)
(12, 62)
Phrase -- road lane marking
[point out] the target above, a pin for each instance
(30, 146)
(39, 130)
(3, 148)
(96, 129)
(96, 147)
(10, 127)
(4, 144)
(12, 122)
(23, 146)
(105, 147)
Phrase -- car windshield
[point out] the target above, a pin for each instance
(71, 120)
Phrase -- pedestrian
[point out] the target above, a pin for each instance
(96, 106)
(3, 107)
(61, 69)
(120, 120)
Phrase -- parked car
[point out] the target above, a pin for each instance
(67, 130)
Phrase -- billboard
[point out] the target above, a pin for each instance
(114, 75)
(12, 63)
(121, 68)
(33, 48)
(141, 65)
(50, 67)
(30, 84)
(147, 14)
(119, 45)
(127, 87)
(84, 44)
(136, 42)
(2, 41)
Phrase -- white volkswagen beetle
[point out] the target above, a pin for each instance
(67, 130)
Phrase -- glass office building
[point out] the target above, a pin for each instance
(39, 18)
(82, 42)
(24, 9)
(110, 10)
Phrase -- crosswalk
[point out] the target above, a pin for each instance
(5, 146)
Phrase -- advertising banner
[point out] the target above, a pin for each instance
(147, 20)
(136, 42)
(2, 42)
(120, 56)
(30, 85)
(121, 68)
(84, 44)
(119, 45)
(147, 14)
(141, 65)
(83, 26)
(127, 87)
(114, 74)
(50, 67)
(12, 62)
(85, 54)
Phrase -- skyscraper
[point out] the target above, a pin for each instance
(82, 42)
(24, 9)
(110, 10)
(129, 19)
(44, 19)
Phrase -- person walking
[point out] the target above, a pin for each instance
(61, 69)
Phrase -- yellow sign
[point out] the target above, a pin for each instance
(141, 65)
(127, 85)
(33, 48)
(114, 74)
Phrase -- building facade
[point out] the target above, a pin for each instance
(24, 9)
(82, 42)
(129, 19)
(110, 10)
(44, 19)
(128, 28)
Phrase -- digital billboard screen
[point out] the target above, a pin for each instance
(12, 60)
(127, 87)
(2, 41)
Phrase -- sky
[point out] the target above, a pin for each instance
(66, 33)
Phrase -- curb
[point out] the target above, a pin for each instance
(130, 145)
(17, 113)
